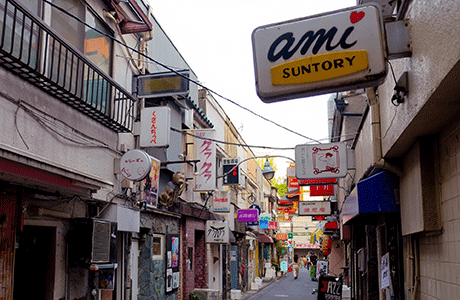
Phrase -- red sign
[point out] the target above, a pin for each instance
(332, 225)
(272, 225)
(290, 210)
(293, 182)
(322, 190)
(317, 181)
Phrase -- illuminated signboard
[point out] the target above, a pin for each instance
(162, 84)
(336, 51)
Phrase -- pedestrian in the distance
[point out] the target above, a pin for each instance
(303, 262)
(296, 266)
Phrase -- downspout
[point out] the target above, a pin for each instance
(143, 47)
(132, 60)
(378, 161)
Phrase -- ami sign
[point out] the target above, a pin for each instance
(332, 52)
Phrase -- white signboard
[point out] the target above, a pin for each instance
(135, 165)
(321, 161)
(205, 152)
(314, 208)
(385, 267)
(335, 51)
(221, 202)
(322, 268)
(155, 126)
(217, 232)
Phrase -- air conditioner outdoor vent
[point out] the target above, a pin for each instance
(101, 242)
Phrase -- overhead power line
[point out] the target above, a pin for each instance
(177, 73)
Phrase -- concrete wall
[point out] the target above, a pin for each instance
(431, 108)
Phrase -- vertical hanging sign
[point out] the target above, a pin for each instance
(205, 152)
(155, 126)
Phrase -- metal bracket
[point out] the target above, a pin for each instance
(398, 39)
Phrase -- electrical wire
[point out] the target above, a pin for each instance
(57, 127)
(177, 73)
(243, 145)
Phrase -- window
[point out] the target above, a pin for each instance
(157, 247)
(97, 47)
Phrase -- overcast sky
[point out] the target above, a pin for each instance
(214, 37)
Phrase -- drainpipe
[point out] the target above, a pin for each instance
(143, 47)
(378, 161)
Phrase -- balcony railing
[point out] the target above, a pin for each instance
(31, 49)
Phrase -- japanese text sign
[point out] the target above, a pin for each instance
(248, 215)
(205, 152)
(135, 165)
(313, 208)
(221, 203)
(282, 236)
(155, 126)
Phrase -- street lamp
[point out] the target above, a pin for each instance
(267, 171)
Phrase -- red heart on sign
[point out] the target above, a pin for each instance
(356, 16)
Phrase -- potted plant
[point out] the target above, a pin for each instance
(194, 296)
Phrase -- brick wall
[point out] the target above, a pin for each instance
(193, 236)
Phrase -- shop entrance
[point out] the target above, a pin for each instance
(35, 263)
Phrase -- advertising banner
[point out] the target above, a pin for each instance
(152, 183)
(336, 51)
(205, 152)
(248, 215)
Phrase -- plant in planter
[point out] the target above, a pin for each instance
(194, 296)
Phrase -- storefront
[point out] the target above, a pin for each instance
(371, 220)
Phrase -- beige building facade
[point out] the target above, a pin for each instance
(414, 140)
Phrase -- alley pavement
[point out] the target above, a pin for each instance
(286, 287)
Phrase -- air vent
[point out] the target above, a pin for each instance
(101, 242)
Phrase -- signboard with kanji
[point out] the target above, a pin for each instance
(248, 215)
(314, 208)
(205, 152)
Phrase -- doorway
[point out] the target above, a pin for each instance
(34, 263)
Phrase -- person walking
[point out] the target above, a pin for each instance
(296, 266)
(313, 259)
(303, 262)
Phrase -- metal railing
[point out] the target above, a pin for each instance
(32, 50)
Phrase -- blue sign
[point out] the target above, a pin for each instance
(263, 224)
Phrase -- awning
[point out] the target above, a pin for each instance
(264, 238)
(373, 195)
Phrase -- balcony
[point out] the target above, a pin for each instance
(30, 49)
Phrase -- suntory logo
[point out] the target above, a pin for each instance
(317, 67)
(320, 67)
(325, 53)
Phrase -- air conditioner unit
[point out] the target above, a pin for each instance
(207, 294)
(92, 241)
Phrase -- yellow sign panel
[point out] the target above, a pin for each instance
(319, 67)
